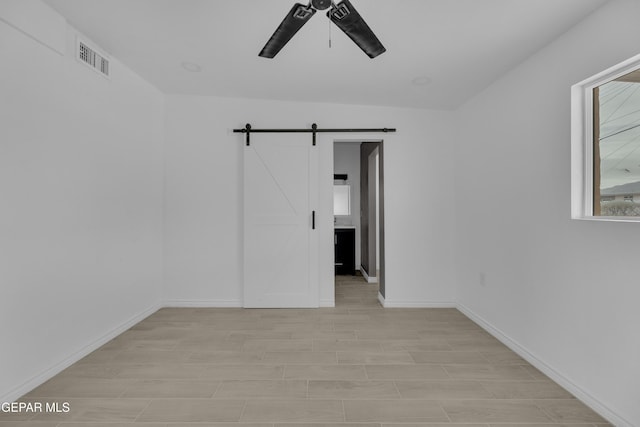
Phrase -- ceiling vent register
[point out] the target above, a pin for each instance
(93, 59)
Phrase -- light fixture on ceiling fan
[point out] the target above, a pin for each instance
(343, 14)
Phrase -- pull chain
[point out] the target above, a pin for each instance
(329, 34)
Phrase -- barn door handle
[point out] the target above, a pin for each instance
(313, 220)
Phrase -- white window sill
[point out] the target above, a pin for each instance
(608, 218)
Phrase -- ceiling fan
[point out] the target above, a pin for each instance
(343, 14)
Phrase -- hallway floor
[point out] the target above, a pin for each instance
(354, 292)
(354, 365)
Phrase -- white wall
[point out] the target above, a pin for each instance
(203, 204)
(346, 160)
(80, 201)
(564, 291)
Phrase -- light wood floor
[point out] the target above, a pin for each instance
(355, 365)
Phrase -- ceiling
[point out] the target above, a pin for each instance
(458, 47)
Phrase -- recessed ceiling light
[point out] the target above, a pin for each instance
(421, 81)
(192, 67)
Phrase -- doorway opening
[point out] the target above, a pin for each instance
(359, 222)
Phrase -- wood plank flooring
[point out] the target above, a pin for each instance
(355, 365)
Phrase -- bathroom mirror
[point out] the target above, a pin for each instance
(342, 200)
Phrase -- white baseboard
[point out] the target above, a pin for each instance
(419, 304)
(60, 366)
(367, 277)
(549, 371)
(213, 303)
(381, 299)
(223, 303)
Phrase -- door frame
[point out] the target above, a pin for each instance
(327, 276)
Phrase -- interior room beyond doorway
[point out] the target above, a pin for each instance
(358, 211)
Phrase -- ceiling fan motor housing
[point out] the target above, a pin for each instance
(321, 4)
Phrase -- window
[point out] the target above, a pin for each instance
(606, 144)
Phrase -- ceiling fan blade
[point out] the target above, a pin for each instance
(297, 17)
(347, 18)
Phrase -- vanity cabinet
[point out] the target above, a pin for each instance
(344, 240)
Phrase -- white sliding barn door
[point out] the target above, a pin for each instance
(280, 246)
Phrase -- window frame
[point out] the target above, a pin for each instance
(582, 144)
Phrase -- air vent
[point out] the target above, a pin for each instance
(92, 58)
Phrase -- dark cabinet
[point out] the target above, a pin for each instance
(345, 250)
